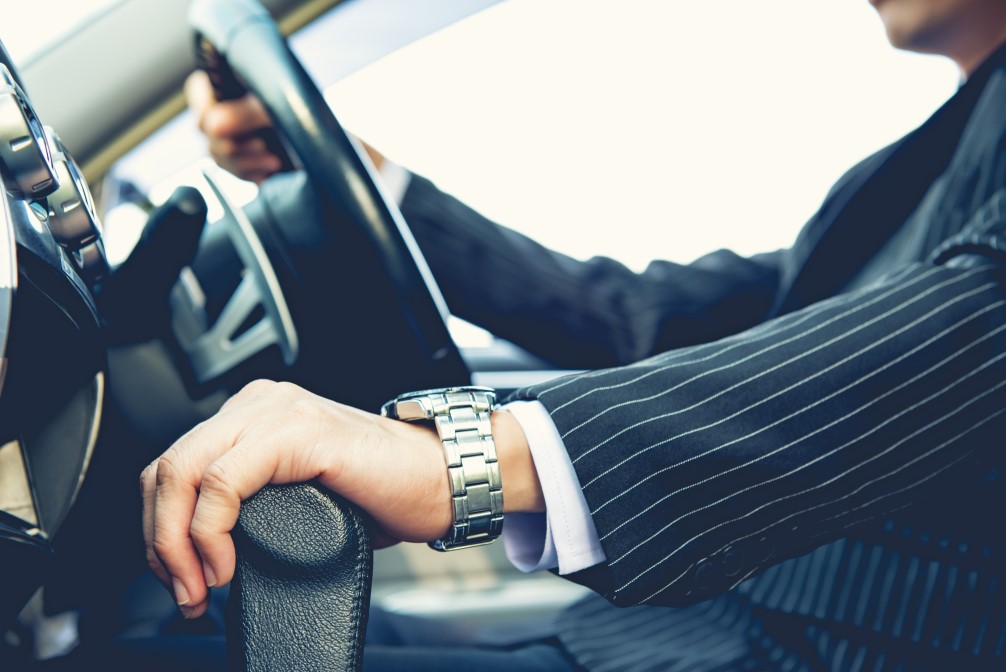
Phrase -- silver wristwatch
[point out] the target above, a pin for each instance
(461, 416)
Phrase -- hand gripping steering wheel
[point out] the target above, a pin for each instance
(243, 50)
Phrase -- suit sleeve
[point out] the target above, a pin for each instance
(706, 464)
(581, 314)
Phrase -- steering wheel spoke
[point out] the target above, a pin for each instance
(217, 348)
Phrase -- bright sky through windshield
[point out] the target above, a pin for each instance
(642, 129)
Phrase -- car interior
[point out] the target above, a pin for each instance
(141, 286)
(117, 339)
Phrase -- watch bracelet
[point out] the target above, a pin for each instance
(462, 419)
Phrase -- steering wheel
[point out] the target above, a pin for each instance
(352, 243)
(289, 583)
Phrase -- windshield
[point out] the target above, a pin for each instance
(59, 18)
(593, 126)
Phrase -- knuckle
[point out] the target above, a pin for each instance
(167, 469)
(161, 548)
(147, 475)
(257, 388)
(287, 387)
(304, 408)
(212, 122)
(217, 480)
(153, 562)
(218, 154)
(200, 531)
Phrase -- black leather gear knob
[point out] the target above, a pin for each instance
(301, 594)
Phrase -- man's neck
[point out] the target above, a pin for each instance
(976, 50)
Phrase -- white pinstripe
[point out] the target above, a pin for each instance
(552, 386)
(805, 316)
(860, 521)
(857, 490)
(775, 326)
(744, 577)
(616, 631)
(775, 367)
(702, 629)
(817, 311)
(605, 626)
(823, 428)
(892, 493)
(778, 393)
(854, 492)
(735, 343)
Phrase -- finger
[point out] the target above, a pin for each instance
(148, 487)
(232, 478)
(177, 476)
(248, 167)
(148, 491)
(223, 118)
(234, 118)
(199, 92)
(250, 146)
(174, 502)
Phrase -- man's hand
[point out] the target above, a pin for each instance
(232, 128)
(279, 433)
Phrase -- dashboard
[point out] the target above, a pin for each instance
(53, 366)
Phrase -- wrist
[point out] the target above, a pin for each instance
(521, 487)
(482, 451)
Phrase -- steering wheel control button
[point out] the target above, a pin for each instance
(27, 159)
(73, 221)
(461, 416)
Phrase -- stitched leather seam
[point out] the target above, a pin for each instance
(361, 560)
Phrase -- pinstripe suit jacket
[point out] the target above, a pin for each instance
(827, 419)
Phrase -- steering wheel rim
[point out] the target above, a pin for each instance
(247, 52)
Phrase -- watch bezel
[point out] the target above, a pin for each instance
(390, 408)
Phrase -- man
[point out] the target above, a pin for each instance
(826, 419)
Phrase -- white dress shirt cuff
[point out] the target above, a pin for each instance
(564, 536)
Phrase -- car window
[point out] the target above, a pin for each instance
(595, 126)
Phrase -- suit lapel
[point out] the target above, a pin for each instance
(874, 199)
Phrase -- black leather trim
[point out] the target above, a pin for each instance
(301, 595)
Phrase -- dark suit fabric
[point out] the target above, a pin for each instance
(826, 419)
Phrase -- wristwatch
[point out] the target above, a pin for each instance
(461, 416)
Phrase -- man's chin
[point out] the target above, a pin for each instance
(907, 31)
